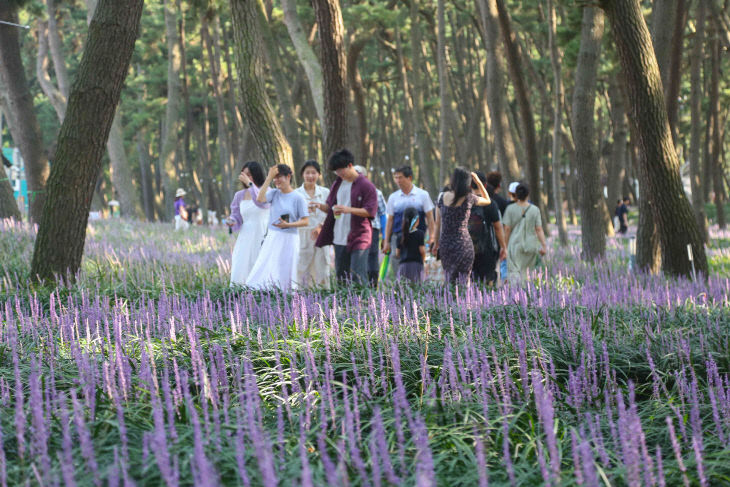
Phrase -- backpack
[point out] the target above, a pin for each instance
(482, 232)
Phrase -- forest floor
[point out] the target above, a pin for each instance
(150, 369)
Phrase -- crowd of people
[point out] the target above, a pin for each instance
(291, 237)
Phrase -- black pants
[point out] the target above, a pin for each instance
(485, 267)
(374, 258)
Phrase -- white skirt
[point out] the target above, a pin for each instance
(248, 243)
(180, 224)
(276, 264)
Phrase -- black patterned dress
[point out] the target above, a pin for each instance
(455, 246)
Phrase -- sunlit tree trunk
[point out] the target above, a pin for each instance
(112, 33)
(257, 109)
(695, 160)
(659, 162)
(716, 148)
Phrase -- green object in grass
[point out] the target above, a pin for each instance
(383, 267)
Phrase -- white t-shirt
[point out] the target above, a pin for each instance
(342, 223)
(398, 202)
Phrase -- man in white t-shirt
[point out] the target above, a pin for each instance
(407, 196)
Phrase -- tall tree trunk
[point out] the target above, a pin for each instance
(145, 166)
(617, 165)
(514, 60)
(695, 160)
(54, 94)
(334, 73)
(257, 109)
(716, 141)
(358, 91)
(171, 125)
(56, 47)
(674, 76)
(496, 93)
(8, 205)
(675, 221)
(423, 141)
(112, 33)
(444, 92)
(593, 228)
(121, 173)
(307, 57)
(557, 124)
(17, 105)
(282, 86)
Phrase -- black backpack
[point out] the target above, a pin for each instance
(482, 232)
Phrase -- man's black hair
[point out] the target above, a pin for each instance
(340, 160)
(406, 171)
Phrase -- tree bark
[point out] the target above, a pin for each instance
(307, 57)
(112, 33)
(54, 94)
(675, 221)
(362, 154)
(444, 92)
(557, 123)
(514, 60)
(496, 93)
(8, 205)
(257, 108)
(617, 165)
(334, 73)
(674, 77)
(695, 160)
(170, 128)
(17, 105)
(716, 141)
(145, 170)
(121, 173)
(593, 228)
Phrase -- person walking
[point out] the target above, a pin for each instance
(374, 250)
(181, 213)
(524, 233)
(351, 205)
(411, 249)
(248, 219)
(314, 262)
(487, 235)
(276, 264)
(622, 213)
(454, 243)
(407, 196)
(494, 179)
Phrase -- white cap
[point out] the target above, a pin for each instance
(513, 187)
(180, 192)
(360, 170)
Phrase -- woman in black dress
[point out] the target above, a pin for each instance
(452, 238)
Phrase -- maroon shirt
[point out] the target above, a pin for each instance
(362, 195)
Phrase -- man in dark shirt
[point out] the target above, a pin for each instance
(622, 212)
(495, 179)
(487, 235)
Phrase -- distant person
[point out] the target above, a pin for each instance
(314, 262)
(407, 196)
(276, 264)
(350, 207)
(411, 251)
(454, 243)
(181, 212)
(487, 235)
(374, 251)
(494, 179)
(622, 212)
(525, 237)
(248, 219)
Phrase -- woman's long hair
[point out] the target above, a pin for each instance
(257, 172)
(408, 215)
(460, 184)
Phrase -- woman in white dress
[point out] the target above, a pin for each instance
(249, 218)
(276, 265)
(314, 262)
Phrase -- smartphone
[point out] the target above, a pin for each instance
(285, 217)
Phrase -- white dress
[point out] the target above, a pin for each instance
(248, 243)
(314, 262)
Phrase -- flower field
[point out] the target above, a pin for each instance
(149, 370)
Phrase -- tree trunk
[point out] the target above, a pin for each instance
(17, 105)
(8, 205)
(593, 229)
(257, 109)
(334, 73)
(358, 91)
(145, 166)
(54, 94)
(496, 93)
(716, 141)
(307, 57)
(674, 77)
(444, 92)
(695, 160)
(557, 123)
(112, 33)
(617, 165)
(169, 136)
(675, 221)
(121, 173)
(514, 60)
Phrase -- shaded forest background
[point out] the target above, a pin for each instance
(534, 89)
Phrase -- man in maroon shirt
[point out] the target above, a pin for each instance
(352, 203)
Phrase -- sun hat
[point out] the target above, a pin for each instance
(180, 192)
(513, 186)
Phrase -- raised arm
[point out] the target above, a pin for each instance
(483, 197)
(261, 197)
